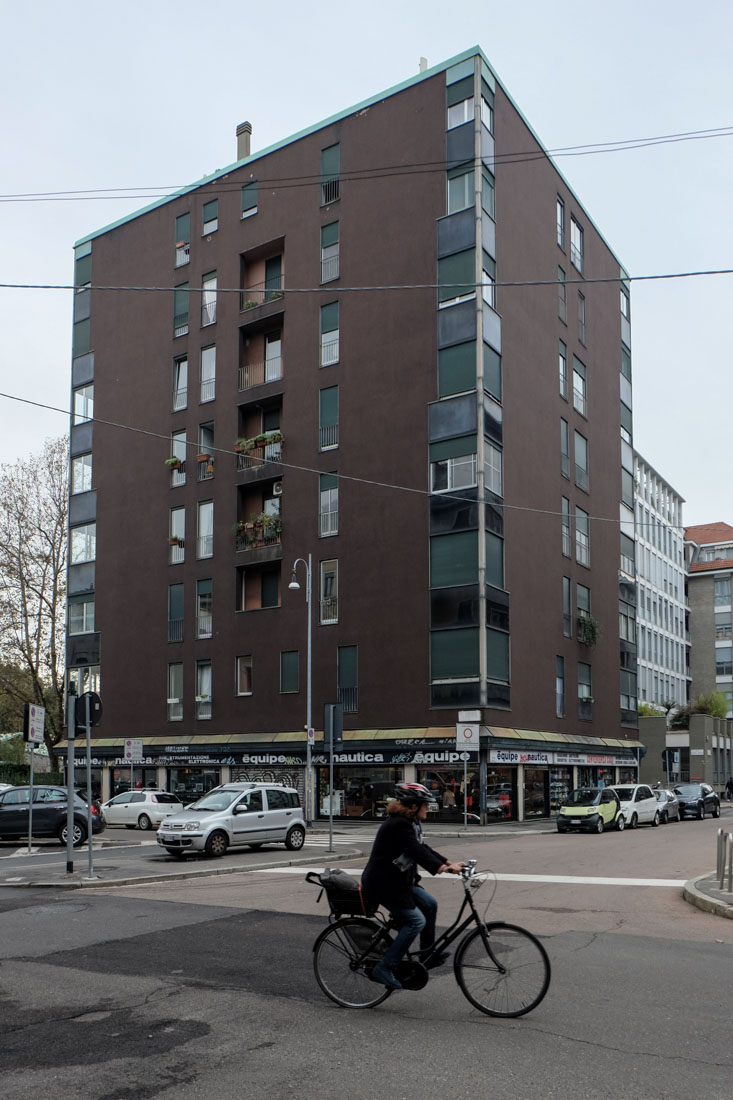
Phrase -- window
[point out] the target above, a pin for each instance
(83, 543)
(582, 478)
(329, 252)
(176, 534)
(488, 199)
(83, 266)
(289, 671)
(585, 682)
(627, 622)
(208, 299)
(453, 473)
(329, 334)
(460, 189)
(206, 448)
(722, 592)
(494, 559)
(582, 537)
(208, 374)
(85, 678)
(175, 693)
(576, 244)
(210, 217)
(80, 335)
(83, 404)
(562, 295)
(205, 529)
(560, 687)
(454, 559)
(560, 222)
(329, 592)
(204, 609)
(628, 693)
(273, 356)
(562, 364)
(625, 303)
(180, 383)
(625, 363)
(183, 239)
(487, 107)
(493, 468)
(180, 310)
(330, 170)
(460, 112)
(579, 394)
(203, 690)
(178, 452)
(567, 608)
(564, 448)
(581, 318)
(175, 612)
(583, 601)
(348, 678)
(328, 505)
(565, 525)
(81, 614)
(488, 280)
(723, 626)
(456, 277)
(328, 418)
(81, 473)
(270, 589)
(454, 654)
(249, 199)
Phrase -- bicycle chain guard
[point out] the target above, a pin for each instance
(413, 975)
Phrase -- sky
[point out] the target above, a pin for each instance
(148, 95)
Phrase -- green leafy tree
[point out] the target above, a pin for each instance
(714, 703)
(12, 749)
(648, 710)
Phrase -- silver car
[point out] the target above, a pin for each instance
(235, 815)
(669, 807)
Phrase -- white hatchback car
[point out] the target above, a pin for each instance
(140, 809)
(639, 805)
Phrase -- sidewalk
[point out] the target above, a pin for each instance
(705, 893)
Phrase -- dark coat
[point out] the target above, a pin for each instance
(383, 882)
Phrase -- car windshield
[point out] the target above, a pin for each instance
(585, 796)
(215, 800)
(688, 790)
(625, 794)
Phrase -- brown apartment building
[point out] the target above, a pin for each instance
(383, 346)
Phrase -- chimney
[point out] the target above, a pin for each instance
(244, 133)
(423, 64)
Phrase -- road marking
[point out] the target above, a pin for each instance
(580, 880)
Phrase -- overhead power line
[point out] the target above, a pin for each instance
(614, 520)
(148, 192)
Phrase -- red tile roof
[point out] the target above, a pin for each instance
(710, 566)
(707, 533)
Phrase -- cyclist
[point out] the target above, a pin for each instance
(390, 878)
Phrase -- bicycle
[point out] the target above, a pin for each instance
(502, 969)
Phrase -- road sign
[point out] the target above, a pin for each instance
(34, 719)
(311, 736)
(95, 710)
(133, 749)
(467, 735)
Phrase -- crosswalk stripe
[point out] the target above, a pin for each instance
(579, 880)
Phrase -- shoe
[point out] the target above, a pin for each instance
(383, 974)
(436, 960)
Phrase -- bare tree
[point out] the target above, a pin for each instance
(33, 529)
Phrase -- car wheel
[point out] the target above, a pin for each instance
(664, 819)
(620, 823)
(217, 844)
(700, 811)
(599, 825)
(129, 826)
(175, 852)
(78, 835)
(655, 820)
(561, 830)
(634, 821)
(295, 838)
(716, 810)
(144, 822)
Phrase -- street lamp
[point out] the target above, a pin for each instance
(309, 604)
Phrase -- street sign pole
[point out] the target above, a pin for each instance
(30, 804)
(465, 790)
(34, 720)
(70, 734)
(88, 720)
(467, 741)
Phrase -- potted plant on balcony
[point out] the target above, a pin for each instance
(588, 630)
(204, 457)
(175, 540)
(273, 437)
(173, 463)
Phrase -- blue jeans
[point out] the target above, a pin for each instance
(420, 919)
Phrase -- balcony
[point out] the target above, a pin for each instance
(328, 437)
(257, 374)
(179, 400)
(329, 523)
(261, 293)
(585, 709)
(329, 191)
(349, 699)
(175, 630)
(177, 551)
(259, 450)
(329, 268)
(581, 478)
(208, 390)
(182, 253)
(329, 611)
(205, 469)
(204, 625)
(203, 706)
(180, 324)
(261, 531)
(329, 348)
(205, 546)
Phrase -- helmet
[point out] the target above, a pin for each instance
(412, 794)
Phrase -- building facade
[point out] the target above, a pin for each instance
(709, 549)
(662, 612)
(390, 358)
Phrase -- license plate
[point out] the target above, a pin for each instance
(575, 821)
(168, 839)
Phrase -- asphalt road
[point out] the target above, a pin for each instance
(203, 988)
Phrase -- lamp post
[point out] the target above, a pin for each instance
(309, 604)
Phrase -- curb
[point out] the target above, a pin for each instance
(77, 882)
(694, 896)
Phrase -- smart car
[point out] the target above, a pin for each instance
(590, 809)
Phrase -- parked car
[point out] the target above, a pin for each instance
(235, 815)
(590, 809)
(669, 807)
(49, 814)
(638, 804)
(696, 800)
(141, 809)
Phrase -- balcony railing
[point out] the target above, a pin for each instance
(258, 456)
(329, 348)
(175, 710)
(349, 699)
(260, 293)
(178, 476)
(205, 546)
(182, 253)
(579, 401)
(328, 436)
(208, 389)
(329, 191)
(203, 708)
(581, 477)
(256, 374)
(254, 536)
(330, 610)
(205, 625)
(208, 311)
(329, 268)
(177, 554)
(585, 708)
(180, 324)
(175, 630)
(329, 523)
(205, 470)
(179, 400)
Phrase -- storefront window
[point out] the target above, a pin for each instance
(501, 799)
(447, 785)
(536, 792)
(561, 784)
(125, 779)
(191, 783)
(627, 775)
(357, 792)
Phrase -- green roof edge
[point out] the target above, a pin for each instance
(434, 70)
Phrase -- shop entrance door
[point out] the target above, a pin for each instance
(536, 792)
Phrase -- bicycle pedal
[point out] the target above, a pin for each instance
(413, 975)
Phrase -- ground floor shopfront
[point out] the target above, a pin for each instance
(514, 776)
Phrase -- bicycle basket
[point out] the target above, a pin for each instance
(343, 892)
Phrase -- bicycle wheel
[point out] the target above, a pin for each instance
(506, 975)
(334, 962)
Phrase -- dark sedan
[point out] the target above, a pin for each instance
(49, 814)
(696, 800)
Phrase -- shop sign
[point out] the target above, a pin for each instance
(509, 756)
(171, 749)
(269, 758)
(595, 758)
